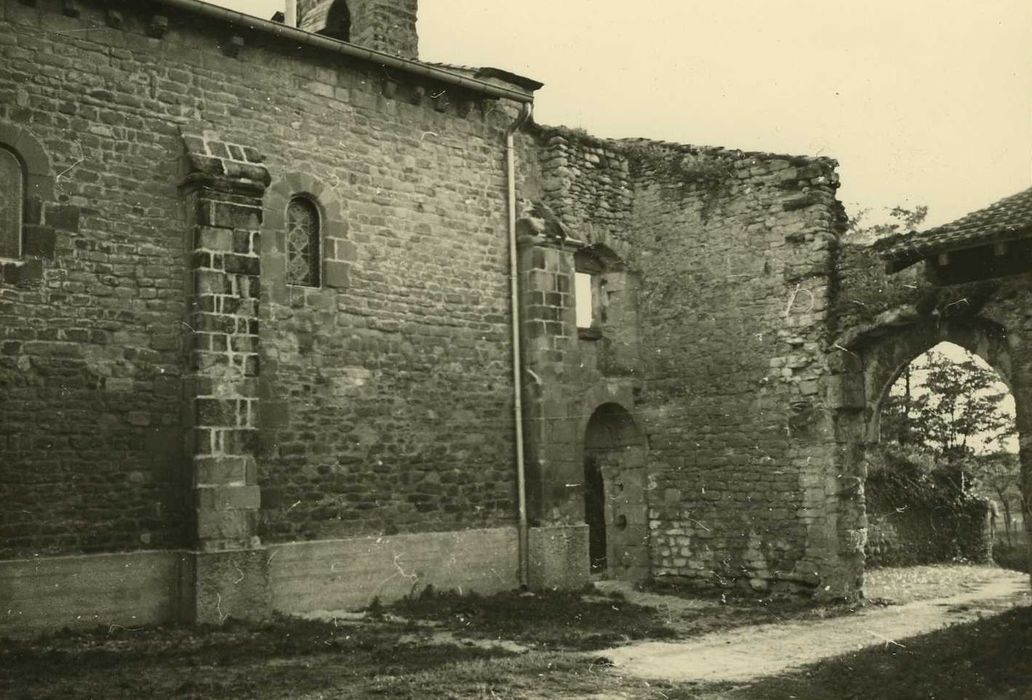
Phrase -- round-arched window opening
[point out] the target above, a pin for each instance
(12, 196)
(338, 21)
(621, 522)
(303, 244)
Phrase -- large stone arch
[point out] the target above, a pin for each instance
(864, 366)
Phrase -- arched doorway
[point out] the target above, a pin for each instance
(946, 460)
(615, 503)
(865, 366)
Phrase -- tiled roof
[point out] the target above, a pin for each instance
(1006, 219)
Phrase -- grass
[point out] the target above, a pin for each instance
(988, 659)
(902, 585)
(440, 645)
(558, 620)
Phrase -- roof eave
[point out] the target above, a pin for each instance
(299, 36)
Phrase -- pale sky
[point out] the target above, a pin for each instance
(920, 101)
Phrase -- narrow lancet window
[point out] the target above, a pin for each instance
(303, 249)
(12, 194)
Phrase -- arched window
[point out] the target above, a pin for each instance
(303, 245)
(12, 196)
(338, 21)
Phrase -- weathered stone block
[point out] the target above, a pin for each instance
(336, 274)
(846, 391)
(38, 241)
(226, 497)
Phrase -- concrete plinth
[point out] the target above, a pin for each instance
(218, 585)
(558, 557)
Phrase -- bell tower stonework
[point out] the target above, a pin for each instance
(384, 25)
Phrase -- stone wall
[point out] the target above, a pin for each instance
(895, 539)
(734, 254)
(728, 260)
(384, 25)
(388, 390)
(91, 320)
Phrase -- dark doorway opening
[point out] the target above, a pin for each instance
(595, 513)
(615, 499)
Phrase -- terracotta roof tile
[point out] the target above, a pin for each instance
(1008, 218)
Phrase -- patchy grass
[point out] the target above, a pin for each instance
(298, 659)
(411, 658)
(715, 611)
(986, 659)
(288, 658)
(901, 585)
(567, 620)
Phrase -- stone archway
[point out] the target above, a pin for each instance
(864, 368)
(616, 507)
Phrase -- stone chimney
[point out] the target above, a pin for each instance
(384, 25)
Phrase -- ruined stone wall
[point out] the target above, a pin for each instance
(731, 258)
(389, 388)
(734, 253)
(882, 320)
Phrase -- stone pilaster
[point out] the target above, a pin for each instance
(558, 540)
(223, 192)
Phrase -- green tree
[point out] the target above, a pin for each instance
(896, 220)
(949, 407)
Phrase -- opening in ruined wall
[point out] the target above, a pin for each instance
(945, 471)
(615, 506)
(592, 264)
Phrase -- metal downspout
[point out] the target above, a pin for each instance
(517, 362)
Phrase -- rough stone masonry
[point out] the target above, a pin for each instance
(191, 430)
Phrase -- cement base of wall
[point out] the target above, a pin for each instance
(220, 585)
(559, 557)
(47, 593)
(346, 574)
(134, 589)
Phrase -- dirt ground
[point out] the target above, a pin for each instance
(571, 645)
(746, 654)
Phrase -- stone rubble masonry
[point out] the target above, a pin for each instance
(730, 257)
(162, 386)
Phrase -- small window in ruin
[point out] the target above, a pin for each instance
(303, 247)
(589, 293)
(12, 195)
(584, 285)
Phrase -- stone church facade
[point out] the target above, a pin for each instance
(261, 350)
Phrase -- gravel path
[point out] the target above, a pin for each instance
(749, 653)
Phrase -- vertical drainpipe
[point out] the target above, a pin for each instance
(517, 363)
(290, 13)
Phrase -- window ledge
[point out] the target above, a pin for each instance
(592, 333)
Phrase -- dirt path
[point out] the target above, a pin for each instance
(754, 652)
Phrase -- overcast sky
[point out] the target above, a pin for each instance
(920, 101)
